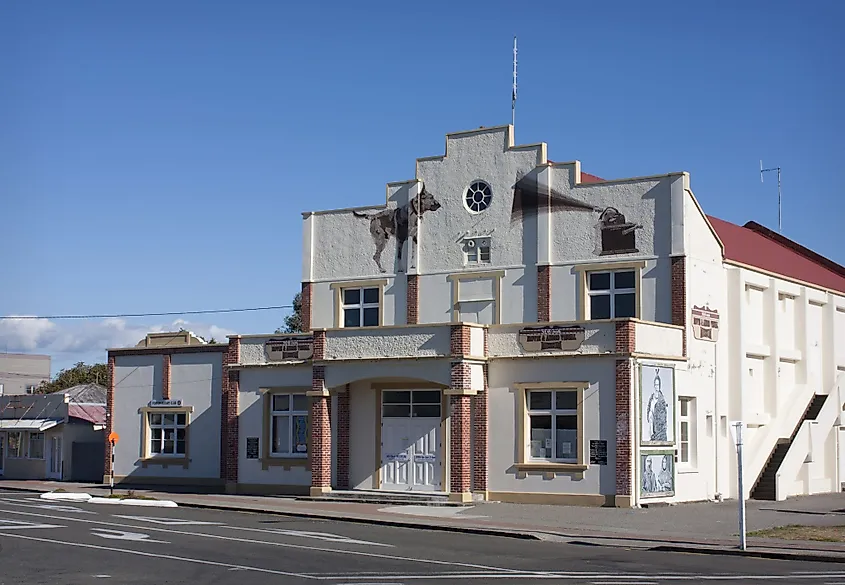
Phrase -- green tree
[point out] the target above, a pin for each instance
(293, 322)
(81, 373)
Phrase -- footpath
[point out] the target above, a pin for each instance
(702, 528)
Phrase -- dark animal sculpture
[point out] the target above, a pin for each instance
(399, 222)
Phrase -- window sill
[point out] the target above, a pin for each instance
(685, 470)
(551, 467)
(285, 463)
(166, 461)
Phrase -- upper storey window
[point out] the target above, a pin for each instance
(361, 307)
(478, 197)
(613, 294)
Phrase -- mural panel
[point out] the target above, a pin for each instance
(398, 222)
(657, 405)
(658, 474)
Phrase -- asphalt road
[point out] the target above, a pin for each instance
(74, 544)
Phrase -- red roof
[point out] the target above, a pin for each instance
(588, 178)
(89, 412)
(760, 247)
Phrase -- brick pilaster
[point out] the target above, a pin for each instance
(679, 295)
(413, 301)
(626, 337)
(544, 294)
(165, 377)
(343, 440)
(229, 420)
(321, 433)
(307, 297)
(460, 341)
(460, 445)
(109, 414)
(624, 452)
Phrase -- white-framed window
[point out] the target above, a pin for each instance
(289, 425)
(478, 197)
(361, 307)
(686, 443)
(477, 251)
(14, 445)
(30, 388)
(168, 433)
(36, 446)
(612, 294)
(552, 425)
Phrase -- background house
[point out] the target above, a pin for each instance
(54, 436)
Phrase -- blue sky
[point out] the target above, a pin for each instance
(155, 156)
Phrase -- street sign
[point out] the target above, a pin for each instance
(113, 438)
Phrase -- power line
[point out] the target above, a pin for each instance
(165, 314)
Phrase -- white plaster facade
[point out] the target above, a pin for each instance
(451, 325)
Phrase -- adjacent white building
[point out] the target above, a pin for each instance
(509, 328)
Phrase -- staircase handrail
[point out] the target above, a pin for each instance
(802, 445)
(763, 441)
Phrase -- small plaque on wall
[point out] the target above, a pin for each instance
(598, 452)
(552, 337)
(252, 448)
(299, 347)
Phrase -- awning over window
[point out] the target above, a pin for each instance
(28, 424)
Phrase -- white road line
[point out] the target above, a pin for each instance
(278, 544)
(307, 534)
(623, 582)
(168, 521)
(19, 525)
(123, 535)
(164, 556)
(54, 507)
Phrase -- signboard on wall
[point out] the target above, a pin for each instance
(299, 347)
(252, 448)
(551, 338)
(172, 403)
(598, 452)
(705, 323)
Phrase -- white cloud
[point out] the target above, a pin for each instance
(83, 339)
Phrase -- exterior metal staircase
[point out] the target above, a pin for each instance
(764, 488)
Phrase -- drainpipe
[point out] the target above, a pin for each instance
(715, 421)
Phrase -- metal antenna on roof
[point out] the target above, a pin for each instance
(513, 93)
(762, 170)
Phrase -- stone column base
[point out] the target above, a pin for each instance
(316, 492)
(462, 497)
(623, 501)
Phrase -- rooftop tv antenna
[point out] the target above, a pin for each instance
(513, 94)
(762, 170)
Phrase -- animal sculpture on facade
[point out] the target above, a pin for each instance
(398, 222)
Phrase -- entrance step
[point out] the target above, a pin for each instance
(387, 498)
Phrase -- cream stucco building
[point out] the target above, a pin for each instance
(506, 327)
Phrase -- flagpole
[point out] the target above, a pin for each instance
(513, 94)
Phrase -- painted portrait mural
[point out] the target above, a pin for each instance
(657, 475)
(657, 405)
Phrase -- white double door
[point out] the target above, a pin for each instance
(54, 462)
(411, 440)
